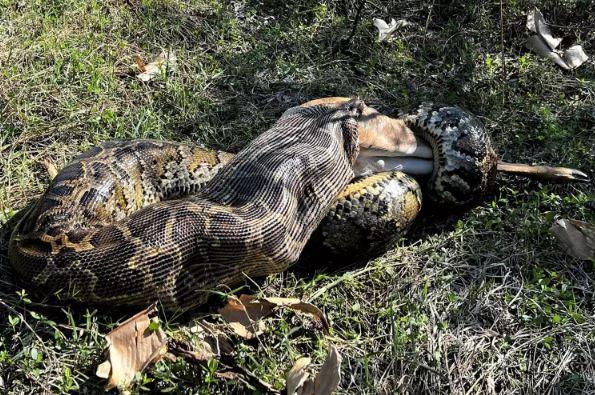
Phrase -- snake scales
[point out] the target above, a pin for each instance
(129, 222)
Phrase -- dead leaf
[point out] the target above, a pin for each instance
(544, 44)
(50, 168)
(208, 341)
(132, 346)
(297, 375)
(575, 56)
(385, 29)
(244, 314)
(140, 63)
(164, 63)
(537, 45)
(244, 321)
(298, 305)
(325, 382)
(576, 237)
(536, 23)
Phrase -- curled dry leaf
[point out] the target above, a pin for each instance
(132, 346)
(536, 23)
(537, 45)
(325, 382)
(298, 305)
(575, 56)
(576, 237)
(297, 375)
(244, 320)
(544, 44)
(165, 62)
(244, 314)
(386, 29)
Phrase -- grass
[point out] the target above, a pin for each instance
(480, 302)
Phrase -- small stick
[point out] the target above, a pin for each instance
(502, 38)
(428, 21)
(358, 15)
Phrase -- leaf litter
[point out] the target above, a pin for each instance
(163, 64)
(135, 344)
(544, 44)
(577, 238)
(140, 342)
(385, 30)
(244, 314)
(326, 381)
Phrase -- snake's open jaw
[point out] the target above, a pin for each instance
(387, 144)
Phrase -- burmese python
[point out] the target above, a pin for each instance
(129, 222)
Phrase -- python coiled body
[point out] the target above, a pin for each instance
(130, 222)
(464, 155)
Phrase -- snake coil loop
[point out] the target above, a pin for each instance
(464, 156)
(129, 222)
